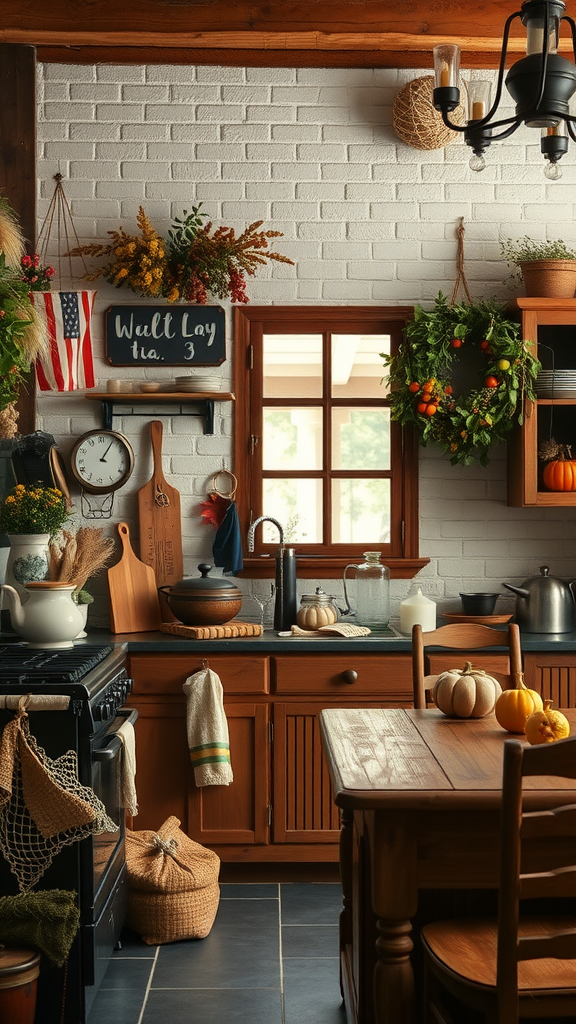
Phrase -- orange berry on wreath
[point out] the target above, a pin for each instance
(421, 407)
(457, 343)
(448, 389)
(491, 382)
(484, 345)
(414, 386)
(426, 397)
(431, 409)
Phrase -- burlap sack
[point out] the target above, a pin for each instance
(173, 890)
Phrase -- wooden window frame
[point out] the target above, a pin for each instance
(250, 325)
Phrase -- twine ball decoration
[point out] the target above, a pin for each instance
(416, 121)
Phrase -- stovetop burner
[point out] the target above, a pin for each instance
(19, 663)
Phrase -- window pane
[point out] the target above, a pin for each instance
(297, 505)
(361, 511)
(357, 366)
(292, 365)
(292, 439)
(360, 438)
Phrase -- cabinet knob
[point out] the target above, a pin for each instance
(349, 676)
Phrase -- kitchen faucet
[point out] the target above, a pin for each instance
(285, 607)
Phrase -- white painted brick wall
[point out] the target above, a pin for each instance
(366, 219)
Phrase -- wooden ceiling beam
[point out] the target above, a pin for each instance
(349, 33)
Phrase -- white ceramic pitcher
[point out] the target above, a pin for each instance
(49, 618)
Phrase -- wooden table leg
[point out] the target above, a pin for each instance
(345, 922)
(394, 888)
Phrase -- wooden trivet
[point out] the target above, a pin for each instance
(228, 629)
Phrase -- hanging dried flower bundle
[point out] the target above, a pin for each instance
(190, 264)
(23, 333)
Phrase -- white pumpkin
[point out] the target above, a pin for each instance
(466, 693)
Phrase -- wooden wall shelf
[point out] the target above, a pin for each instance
(205, 399)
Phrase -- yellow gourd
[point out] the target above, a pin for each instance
(466, 693)
(313, 616)
(515, 705)
(547, 725)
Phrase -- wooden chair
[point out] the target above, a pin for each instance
(462, 637)
(517, 966)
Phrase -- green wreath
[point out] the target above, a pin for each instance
(422, 389)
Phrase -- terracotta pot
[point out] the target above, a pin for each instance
(550, 279)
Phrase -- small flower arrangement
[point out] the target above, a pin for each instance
(33, 509)
(37, 277)
(191, 263)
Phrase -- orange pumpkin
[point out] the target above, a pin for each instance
(547, 725)
(515, 705)
(560, 474)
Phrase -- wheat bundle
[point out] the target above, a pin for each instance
(77, 557)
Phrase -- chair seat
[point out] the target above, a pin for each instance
(468, 949)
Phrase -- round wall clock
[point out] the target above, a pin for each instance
(102, 461)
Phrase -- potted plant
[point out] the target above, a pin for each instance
(548, 268)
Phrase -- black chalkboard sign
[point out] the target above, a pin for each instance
(168, 335)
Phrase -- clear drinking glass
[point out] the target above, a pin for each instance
(265, 601)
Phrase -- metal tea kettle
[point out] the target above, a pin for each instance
(544, 604)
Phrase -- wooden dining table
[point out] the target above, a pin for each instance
(420, 798)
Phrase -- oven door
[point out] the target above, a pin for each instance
(106, 781)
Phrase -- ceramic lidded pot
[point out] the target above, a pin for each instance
(203, 600)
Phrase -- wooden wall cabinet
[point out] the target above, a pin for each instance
(549, 325)
(279, 806)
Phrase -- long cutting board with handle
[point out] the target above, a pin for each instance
(160, 522)
(134, 603)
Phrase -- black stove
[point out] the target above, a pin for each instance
(94, 678)
(92, 675)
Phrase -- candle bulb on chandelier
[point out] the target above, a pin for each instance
(444, 76)
(478, 110)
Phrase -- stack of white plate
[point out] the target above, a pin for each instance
(556, 384)
(197, 382)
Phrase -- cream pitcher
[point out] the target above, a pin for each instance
(49, 618)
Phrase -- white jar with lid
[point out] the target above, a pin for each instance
(417, 609)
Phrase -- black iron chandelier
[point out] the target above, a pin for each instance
(541, 84)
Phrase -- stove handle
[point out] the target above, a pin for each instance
(111, 751)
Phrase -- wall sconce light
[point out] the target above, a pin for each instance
(541, 85)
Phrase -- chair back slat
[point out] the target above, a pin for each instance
(561, 821)
(560, 945)
(556, 884)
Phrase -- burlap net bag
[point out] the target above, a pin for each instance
(173, 890)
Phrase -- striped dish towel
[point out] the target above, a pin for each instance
(207, 729)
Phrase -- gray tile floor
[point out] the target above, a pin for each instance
(271, 958)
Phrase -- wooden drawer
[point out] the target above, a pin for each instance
(166, 673)
(344, 675)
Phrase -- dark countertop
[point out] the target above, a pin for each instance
(270, 643)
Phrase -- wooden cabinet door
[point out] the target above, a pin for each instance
(238, 813)
(303, 809)
(553, 676)
(163, 769)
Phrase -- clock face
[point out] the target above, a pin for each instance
(102, 461)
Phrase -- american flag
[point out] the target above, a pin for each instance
(68, 366)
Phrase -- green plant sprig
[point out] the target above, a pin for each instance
(420, 377)
(527, 250)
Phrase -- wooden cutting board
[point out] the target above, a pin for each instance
(229, 629)
(134, 604)
(160, 523)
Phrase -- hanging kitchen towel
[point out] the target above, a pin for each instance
(207, 729)
(227, 547)
(69, 364)
(127, 737)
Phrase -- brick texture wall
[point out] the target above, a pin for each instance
(366, 219)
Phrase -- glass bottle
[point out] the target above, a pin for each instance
(372, 591)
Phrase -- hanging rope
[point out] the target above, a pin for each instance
(59, 210)
(460, 276)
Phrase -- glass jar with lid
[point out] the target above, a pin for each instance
(372, 592)
(317, 609)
